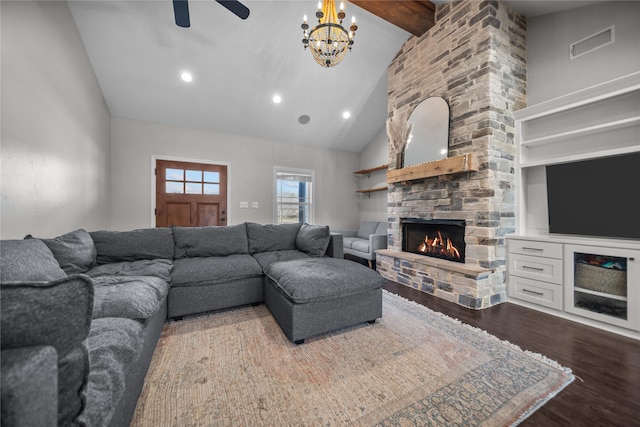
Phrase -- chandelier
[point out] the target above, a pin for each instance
(329, 40)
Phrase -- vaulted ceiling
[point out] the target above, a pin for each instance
(138, 54)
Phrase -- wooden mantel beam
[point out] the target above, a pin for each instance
(414, 16)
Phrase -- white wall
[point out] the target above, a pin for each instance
(55, 126)
(550, 73)
(251, 162)
(373, 207)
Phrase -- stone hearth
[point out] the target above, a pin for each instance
(474, 57)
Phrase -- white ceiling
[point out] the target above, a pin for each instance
(138, 54)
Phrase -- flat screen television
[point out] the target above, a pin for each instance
(596, 197)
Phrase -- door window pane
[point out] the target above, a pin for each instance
(213, 189)
(174, 187)
(212, 177)
(194, 176)
(193, 188)
(175, 174)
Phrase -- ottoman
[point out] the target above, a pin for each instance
(317, 295)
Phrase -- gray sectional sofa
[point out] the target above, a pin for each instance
(82, 313)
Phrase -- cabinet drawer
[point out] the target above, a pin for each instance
(529, 247)
(540, 293)
(536, 268)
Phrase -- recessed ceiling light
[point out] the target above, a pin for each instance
(346, 115)
(186, 77)
(277, 99)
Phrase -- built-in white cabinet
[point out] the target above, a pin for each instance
(552, 272)
(603, 284)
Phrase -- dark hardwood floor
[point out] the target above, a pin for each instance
(606, 391)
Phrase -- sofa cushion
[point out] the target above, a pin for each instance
(74, 251)
(347, 242)
(381, 228)
(114, 345)
(265, 259)
(134, 245)
(313, 239)
(210, 241)
(160, 268)
(322, 279)
(271, 237)
(367, 228)
(29, 386)
(202, 271)
(58, 314)
(361, 245)
(133, 297)
(28, 260)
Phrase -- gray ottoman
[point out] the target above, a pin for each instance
(316, 295)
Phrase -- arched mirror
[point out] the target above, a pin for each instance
(430, 136)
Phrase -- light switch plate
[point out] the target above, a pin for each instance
(244, 205)
(254, 205)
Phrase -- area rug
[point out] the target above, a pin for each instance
(413, 366)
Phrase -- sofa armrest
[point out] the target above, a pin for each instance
(377, 241)
(335, 248)
(30, 386)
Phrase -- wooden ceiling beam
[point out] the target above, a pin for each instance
(414, 16)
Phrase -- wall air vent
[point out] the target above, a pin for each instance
(591, 43)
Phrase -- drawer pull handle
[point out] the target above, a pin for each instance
(526, 267)
(525, 248)
(532, 292)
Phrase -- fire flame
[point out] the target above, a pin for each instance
(439, 246)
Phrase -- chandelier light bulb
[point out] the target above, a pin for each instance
(319, 5)
(353, 19)
(304, 19)
(341, 5)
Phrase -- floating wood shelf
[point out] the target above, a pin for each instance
(449, 166)
(371, 190)
(368, 171)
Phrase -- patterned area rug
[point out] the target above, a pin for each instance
(413, 367)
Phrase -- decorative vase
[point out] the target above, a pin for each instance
(400, 160)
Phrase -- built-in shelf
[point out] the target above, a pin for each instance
(600, 294)
(371, 190)
(368, 171)
(590, 130)
(448, 166)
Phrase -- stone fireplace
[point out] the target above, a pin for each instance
(474, 58)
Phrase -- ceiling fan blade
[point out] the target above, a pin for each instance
(236, 7)
(181, 12)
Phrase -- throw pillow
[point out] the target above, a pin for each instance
(271, 237)
(134, 245)
(74, 251)
(210, 241)
(313, 239)
(27, 260)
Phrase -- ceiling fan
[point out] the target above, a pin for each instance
(181, 10)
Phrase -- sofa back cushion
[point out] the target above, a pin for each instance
(271, 237)
(381, 229)
(134, 245)
(27, 260)
(75, 251)
(367, 228)
(210, 241)
(56, 314)
(313, 239)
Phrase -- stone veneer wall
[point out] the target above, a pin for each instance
(474, 57)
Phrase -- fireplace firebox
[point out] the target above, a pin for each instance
(440, 238)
